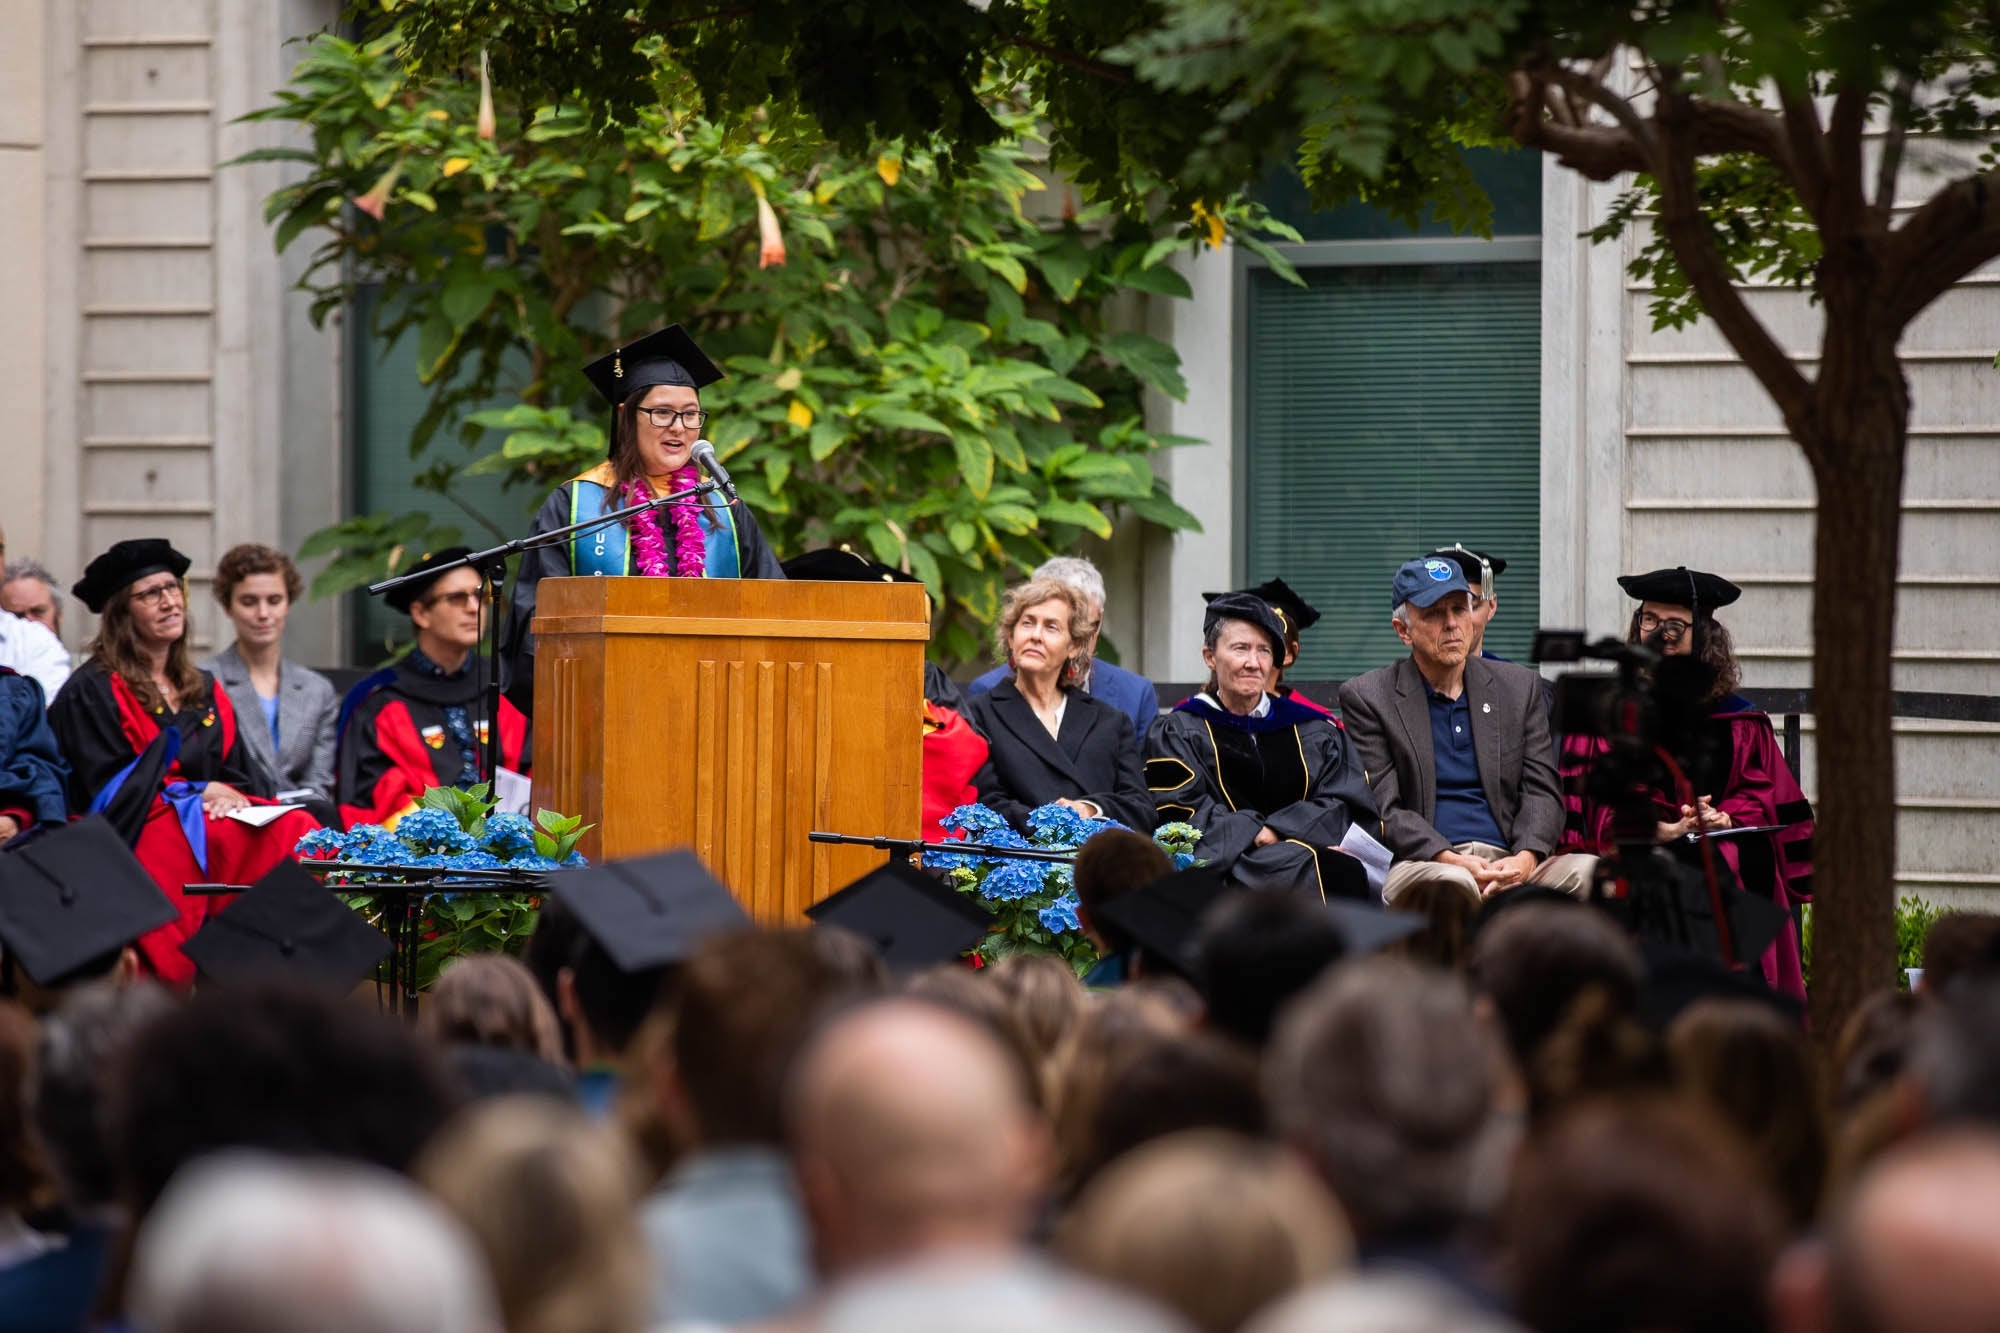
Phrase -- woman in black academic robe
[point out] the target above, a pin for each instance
(1048, 741)
(153, 744)
(653, 388)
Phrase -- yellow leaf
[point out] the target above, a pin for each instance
(799, 415)
(454, 165)
(1209, 223)
(890, 169)
(437, 113)
(789, 380)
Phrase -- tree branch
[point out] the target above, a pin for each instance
(1600, 152)
(1892, 147)
(1955, 232)
(1109, 73)
(1805, 140)
(1687, 231)
(1846, 204)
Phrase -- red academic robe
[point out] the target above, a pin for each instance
(1758, 789)
(953, 752)
(103, 728)
(395, 745)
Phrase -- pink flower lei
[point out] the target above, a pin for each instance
(649, 543)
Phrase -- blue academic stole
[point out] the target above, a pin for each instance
(608, 550)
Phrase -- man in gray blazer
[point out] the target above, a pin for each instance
(1458, 751)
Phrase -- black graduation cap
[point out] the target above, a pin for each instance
(1296, 612)
(1165, 917)
(406, 595)
(649, 912)
(1677, 979)
(668, 356)
(912, 920)
(842, 564)
(124, 565)
(1681, 586)
(72, 896)
(1469, 561)
(287, 923)
(1247, 607)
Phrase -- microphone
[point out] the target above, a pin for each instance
(704, 457)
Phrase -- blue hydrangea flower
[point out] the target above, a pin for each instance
(573, 860)
(532, 863)
(1060, 915)
(509, 834)
(1013, 880)
(477, 860)
(1183, 860)
(321, 842)
(973, 821)
(951, 861)
(1055, 825)
(434, 831)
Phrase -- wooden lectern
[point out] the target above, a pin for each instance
(733, 716)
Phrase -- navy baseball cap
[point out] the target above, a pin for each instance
(1422, 582)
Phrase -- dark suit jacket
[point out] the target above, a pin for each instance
(1388, 718)
(1128, 691)
(1095, 758)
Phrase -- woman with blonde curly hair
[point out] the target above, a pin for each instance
(1049, 741)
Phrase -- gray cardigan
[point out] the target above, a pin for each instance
(308, 709)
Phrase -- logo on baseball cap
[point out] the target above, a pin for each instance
(1422, 582)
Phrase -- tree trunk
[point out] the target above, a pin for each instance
(1862, 415)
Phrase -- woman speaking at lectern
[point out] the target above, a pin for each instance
(653, 386)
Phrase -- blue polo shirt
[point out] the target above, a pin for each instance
(1462, 813)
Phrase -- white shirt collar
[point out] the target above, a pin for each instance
(1263, 708)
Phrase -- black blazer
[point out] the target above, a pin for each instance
(1094, 758)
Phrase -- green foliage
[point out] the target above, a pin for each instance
(930, 375)
(1914, 919)
(556, 836)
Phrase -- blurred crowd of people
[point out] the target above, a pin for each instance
(1515, 1126)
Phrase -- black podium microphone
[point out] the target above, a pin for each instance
(704, 457)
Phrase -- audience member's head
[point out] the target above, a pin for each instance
(31, 592)
(1643, 1215)
(1382, 1078)
(912, 1134)
(22, 1179)
(1161, 1085)
(549, 1196)
(1257, 951)
(602, 1004)
(743, 1004)
(1048, 1006)
(1448, 913)
(1118, 1025)
(1955, 1062)
(1955, 944)
(1395, 1301)
(244, 1243)
(1874, 1047)
(1210, 1224)
(82, 1043)
(490, 999)
(1749, 1066)
(1915, 1250)
(966, 992)
(1111, 865)
(547, 953)
(276, 1068)
(1531, 962)
(641, 1112)
(852, 958)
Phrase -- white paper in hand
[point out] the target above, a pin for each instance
(1373, 856)
(256, 816)
(513, 792)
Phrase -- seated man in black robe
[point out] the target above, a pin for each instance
(1273, 785)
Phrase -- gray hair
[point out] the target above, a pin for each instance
(1381, 1075)
(251, 1243)
(1391, 1302)
(80, 1044)
(27, 567)
(1077, 572)
(1401, 615)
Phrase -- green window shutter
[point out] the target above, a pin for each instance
(1392, 410)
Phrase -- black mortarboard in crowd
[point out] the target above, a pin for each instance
(1295, 612)
(668, 356)
(1164, 918)
(406, 595)
(912, 920)
(1677, 979)
(1680, 586)
(842, 564)
(124, 565)
(1251, 609)
(287, 924)
(72, 897)
(1469, 561)
(649, 912)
